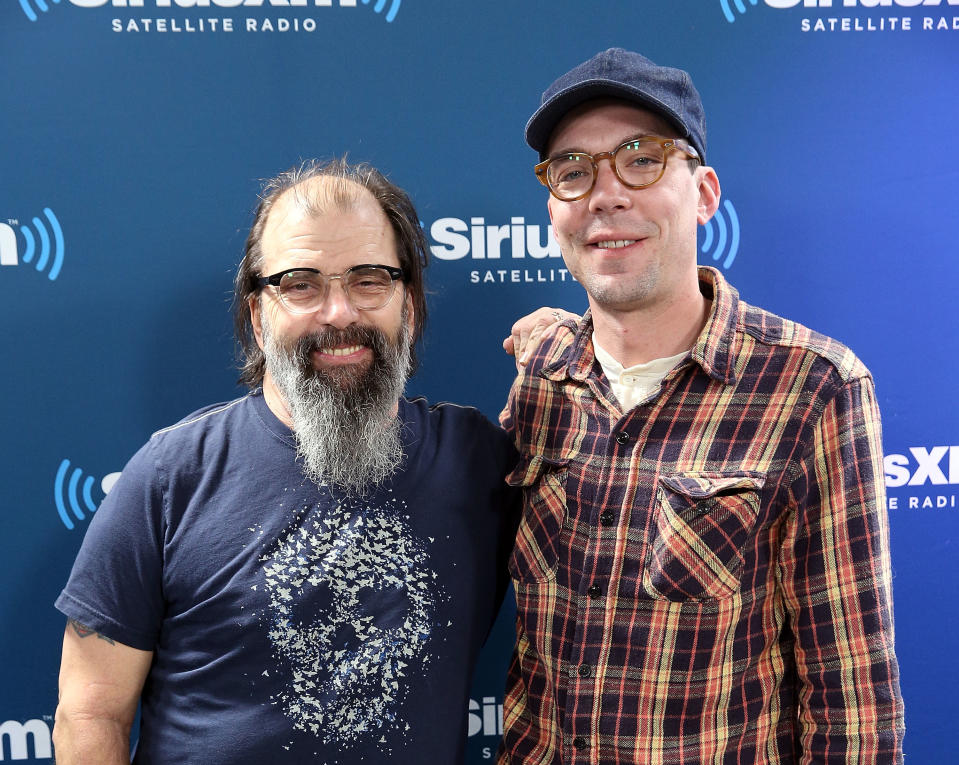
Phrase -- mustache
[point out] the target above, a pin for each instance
(371, 337)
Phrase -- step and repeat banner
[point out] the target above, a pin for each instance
(135, 134)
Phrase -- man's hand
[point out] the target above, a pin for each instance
(100, 684)
(527, 331)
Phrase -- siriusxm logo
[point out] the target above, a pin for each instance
(490, 245)
(68, 493)
(923, 478)
(721, 235)
(485, 720)
(44, 241)
(724, 4)
(41, 6)
(740, 6)
(854, 3)
(456, 239)
(937, 466)
(19, 737)
(527, 253)
(379, 6)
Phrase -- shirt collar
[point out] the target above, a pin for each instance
(714, 349)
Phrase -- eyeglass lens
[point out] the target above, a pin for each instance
(366, 288)
(637, 163)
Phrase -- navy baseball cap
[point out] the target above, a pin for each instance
(618, 73)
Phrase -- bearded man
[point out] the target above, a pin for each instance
(305, 574)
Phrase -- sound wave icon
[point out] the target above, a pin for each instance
(380, 4)
(41, 5)
(69, 492)
(45, 250)
(727, 11)
(724, 232)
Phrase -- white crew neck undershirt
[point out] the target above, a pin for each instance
(633, 385)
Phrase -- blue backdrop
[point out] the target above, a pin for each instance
(135, 133)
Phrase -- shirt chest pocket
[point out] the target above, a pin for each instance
(536, 550)
(702, 522)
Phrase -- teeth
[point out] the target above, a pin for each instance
(343, 351)
(612, 244)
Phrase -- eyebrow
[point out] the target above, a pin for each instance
(633, 137)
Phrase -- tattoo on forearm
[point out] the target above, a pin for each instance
(83, 631)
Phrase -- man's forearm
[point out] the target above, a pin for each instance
(83, 740)
(100, 684)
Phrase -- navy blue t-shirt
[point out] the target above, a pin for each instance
(291, 624)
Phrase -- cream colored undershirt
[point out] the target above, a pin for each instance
(636, 384)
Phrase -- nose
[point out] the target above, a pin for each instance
(608, 191)
(336, 310)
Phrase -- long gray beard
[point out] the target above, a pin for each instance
(343, 422)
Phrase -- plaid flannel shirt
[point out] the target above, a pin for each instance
(705, 578)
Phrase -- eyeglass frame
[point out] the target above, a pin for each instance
(273, 280)
(668, 144)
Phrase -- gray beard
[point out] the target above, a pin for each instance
(343, 422)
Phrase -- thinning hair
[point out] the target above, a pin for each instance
(345, 185)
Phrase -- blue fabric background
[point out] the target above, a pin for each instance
(835, 149)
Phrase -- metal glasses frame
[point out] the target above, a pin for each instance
(273, 280)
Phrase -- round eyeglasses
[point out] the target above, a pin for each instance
(304, 290)
(637, 163)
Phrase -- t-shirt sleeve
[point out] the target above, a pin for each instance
(115, 586)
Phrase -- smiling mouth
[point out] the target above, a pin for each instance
(614, 244)
(347, 351)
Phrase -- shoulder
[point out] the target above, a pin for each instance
(456, 432)
(445, 415)
(794, 339)
(456, 438)
(202, 435)
(212, 416)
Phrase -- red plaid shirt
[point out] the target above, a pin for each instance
(705, 578)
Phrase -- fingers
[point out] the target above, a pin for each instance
(526, 333)
(531, 343)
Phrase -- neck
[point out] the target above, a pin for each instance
(638, 335)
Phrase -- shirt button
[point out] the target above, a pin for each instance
(622, 437)
(607, 518)
(595, 591)
(584, 670)
(579, 743)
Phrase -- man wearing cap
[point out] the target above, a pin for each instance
(702, 568)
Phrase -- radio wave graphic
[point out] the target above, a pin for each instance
(728, 12)
(45, 250)
(68, 492)
(380, 4)
(41, 5)
(724, 229)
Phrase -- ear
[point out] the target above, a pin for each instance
(549, 209)
(255, 320)
(709, 194)
(410, 313)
